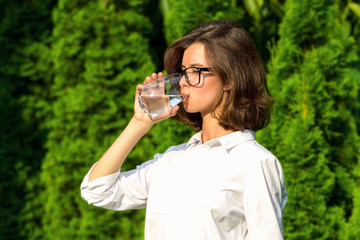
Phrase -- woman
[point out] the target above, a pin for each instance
(221, 184)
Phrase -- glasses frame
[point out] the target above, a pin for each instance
(183, 72)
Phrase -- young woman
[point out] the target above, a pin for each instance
(221, 184)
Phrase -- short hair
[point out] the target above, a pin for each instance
(232, 56)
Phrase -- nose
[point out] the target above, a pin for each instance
(183, 82)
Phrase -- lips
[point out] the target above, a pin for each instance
(185, 96)
(184, 93)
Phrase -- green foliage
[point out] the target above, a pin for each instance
(353, 231)
(22, 135)
(68, 72)
(261, 20)
(313, 131)
(184, 15)
(99, 54)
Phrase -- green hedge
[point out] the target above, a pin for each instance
(68, 72)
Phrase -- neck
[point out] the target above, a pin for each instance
(211, 129)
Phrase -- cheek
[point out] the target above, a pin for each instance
(202, 98)
(206, 98)
(210, 92)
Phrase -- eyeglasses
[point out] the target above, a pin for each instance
(192, 74)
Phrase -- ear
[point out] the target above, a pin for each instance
(228, 86)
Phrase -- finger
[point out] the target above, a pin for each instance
(174, 110)
(160, 75)
(154, 77)
(147, 80)
(139, 87)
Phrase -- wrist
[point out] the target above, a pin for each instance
(141, 125)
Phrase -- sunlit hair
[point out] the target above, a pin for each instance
(231, 54)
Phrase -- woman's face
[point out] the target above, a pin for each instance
(202, 96)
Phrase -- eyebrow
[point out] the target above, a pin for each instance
(194, 65)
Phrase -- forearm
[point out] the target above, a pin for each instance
(114, 157)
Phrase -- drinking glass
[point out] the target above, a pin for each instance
(159, 97)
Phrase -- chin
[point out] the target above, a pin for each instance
(191, 110)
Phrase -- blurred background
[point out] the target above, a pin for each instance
(68, 72)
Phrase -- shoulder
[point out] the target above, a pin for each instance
(253, 151)
(253, 157)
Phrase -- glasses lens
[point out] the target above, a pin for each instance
(193, 75)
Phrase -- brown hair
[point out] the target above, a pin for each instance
(231, 54)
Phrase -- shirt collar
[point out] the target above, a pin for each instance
(195, 139)
(228, 141)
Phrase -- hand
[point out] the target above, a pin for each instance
(140, 115)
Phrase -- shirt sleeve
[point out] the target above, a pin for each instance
(120, 190)
(264, 200)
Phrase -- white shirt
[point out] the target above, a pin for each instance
(227, 188)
